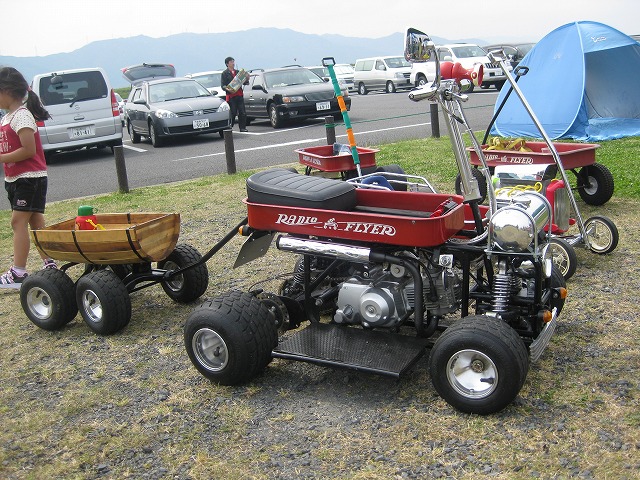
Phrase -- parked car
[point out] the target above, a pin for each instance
(466, 54)
(514, 51)
(120, 106)
(161, 105)
(382, 73)
(290, 93)
(344, 73)
(211, 81)
(83, 107)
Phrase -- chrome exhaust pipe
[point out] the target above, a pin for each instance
(305, 246)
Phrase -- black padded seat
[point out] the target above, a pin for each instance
(278, 186)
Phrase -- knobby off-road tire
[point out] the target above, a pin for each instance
(557, 280)
(479, 364)
(103, 302)
(190, 284)
(602, 233)
(564, 257)
(229, 339)
(48, 299)
(600, 184)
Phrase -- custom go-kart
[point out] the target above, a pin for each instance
(389, 269)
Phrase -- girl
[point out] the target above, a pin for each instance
(25, 168)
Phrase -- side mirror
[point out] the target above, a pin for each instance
(418, 46)
(257, 87)
(139, 101)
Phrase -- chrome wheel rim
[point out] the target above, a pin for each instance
(176, 283)
(92, 306)
(560, 258)
(210, 349)
(600, 237)
(39, 302)
(472, 374)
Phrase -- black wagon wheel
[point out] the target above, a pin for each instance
(595, 184)
(190, 284)
(103, 301)
(479, 364)
(564, 257)
(48, 299)
(229, 339)
(557, 280)
(480, 178)
(602, 234)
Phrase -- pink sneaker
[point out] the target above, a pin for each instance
(50, 263)
(11, 279)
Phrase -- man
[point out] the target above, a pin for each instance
(234, 99)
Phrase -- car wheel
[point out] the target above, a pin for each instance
(391, 88)
(499, 85)
(156, 141)
(276, 121)
(362, 90)
(135, 137)
(422, 80)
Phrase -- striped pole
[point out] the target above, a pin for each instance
(329, 62)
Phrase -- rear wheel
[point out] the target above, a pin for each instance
(135, 137)
(595, 184)
(190, 284)
(103, 302)
(362, 89)
(229, 339)
(602, 234)
(48, 299)
(479, 364)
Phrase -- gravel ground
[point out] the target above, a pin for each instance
(77, 405)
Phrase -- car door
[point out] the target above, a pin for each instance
(137, 109)
(379, 74)
(255, 97)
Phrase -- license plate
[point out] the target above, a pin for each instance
(82, 132)
(323, 106)
(202, 123)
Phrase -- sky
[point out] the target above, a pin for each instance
(43, 27)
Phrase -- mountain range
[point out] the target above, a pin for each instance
(196, 52)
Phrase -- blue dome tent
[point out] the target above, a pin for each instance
(582, 84)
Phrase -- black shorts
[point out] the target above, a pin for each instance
(27, 194)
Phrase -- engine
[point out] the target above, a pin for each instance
(384, 297)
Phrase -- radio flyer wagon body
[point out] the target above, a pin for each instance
(117, 260)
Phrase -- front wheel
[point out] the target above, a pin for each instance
(391, 88)
(422, 80)
(103, 302)
(362, 89)
(276, 121)
(190, 284)
(564, 257)
(595, 184)
(48, 299)
(229, 339)
(479, 364)
(156, 140)
(482, 183)
(602, 234)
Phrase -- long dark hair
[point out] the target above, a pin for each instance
(13, 83)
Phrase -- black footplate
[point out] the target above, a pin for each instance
(354, 348)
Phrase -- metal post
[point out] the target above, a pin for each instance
(435, 123)
(229, 151)
(121, 168)
(331, 130)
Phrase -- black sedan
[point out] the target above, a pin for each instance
(290, 93)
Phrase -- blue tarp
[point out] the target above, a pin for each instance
(582, 84)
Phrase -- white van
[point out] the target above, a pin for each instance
(83, 108)
(382, 73)
(467, 55)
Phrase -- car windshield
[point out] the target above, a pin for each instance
(284, 78)
(209, 80)
(167, 91)
(397, 62)
(320, 71)
(343, 69)
(469, 51)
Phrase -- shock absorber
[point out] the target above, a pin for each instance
(504, 284)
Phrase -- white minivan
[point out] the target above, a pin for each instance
(83, 107)
(382, 73)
